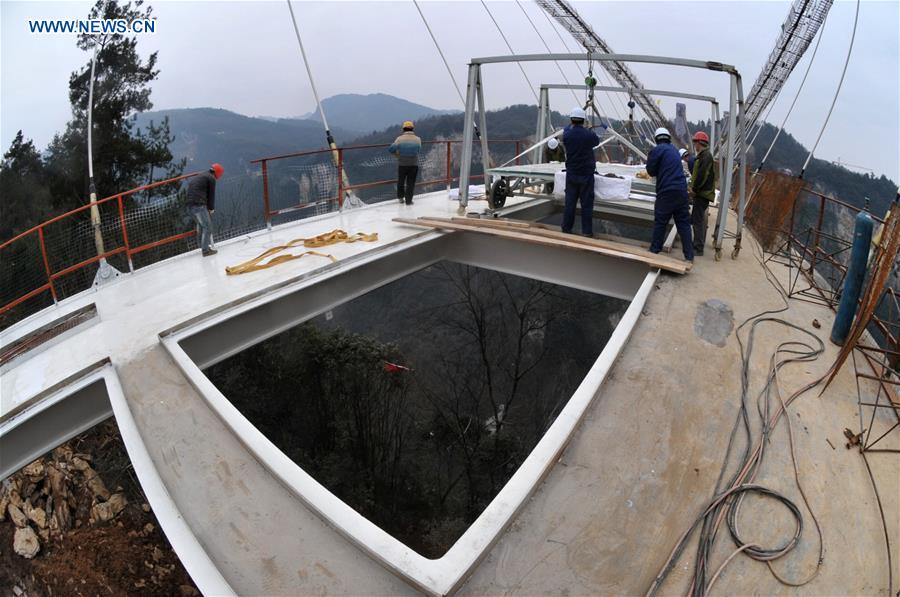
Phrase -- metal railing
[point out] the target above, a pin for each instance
(126, 247)
(336, 160)
(58, 258)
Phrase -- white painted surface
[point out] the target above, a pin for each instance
(443, 575)
(133, 310)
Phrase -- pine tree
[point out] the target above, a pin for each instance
(124, 156)
(25, 200)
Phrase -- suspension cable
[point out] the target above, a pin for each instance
(762, 121)
(511, 51)
(797, 96)
(441, 52)
(836, 93)
(547, 47)
(583, 74)
(351, 199)
(312, 82)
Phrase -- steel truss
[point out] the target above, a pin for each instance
(568, 17)
(798, 30)
(735, 146)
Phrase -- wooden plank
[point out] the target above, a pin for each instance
(527, 235)
(519, 224)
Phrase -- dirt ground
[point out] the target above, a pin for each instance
(82, 553)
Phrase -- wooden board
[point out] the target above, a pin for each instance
(640, 247)
(552, 239)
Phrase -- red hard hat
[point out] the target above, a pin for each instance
(701, 136)
(218, 170)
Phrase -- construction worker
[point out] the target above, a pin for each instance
(579, 144)
(702, 189)
(687, 162)
(406, 148)
(201, 201)
(554, 152)
(671, 194)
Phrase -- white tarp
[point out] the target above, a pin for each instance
(605, 188)
(474, 191)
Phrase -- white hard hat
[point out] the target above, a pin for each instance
(577, 112)
(682, 151)
(662, 132)
(553, 143)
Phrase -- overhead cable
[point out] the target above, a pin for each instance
(351, 199)
(836, 93)
(441, 52)
(796, 97)
(547, 47)
(511, 51)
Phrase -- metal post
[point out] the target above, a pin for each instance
(542, 124)
(713, 108)
(340, 169)
(46, 263)
(449, 165)
(465, 163)
(265, 180)
(729, 167)
(482, 123)
(125, 233)
(742, 177)
(517, 153)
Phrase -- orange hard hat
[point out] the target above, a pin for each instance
(701, 136)
(217, 170)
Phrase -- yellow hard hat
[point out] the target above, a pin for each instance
(408, 124)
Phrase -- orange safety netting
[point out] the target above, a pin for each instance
(771, 201)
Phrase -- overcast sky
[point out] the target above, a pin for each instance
(243, 56)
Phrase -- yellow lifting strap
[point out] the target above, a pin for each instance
(322, 240)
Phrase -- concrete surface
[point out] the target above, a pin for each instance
(645, 462)
(638, 470)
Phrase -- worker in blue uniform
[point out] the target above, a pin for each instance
(580, 164)
(671, 194)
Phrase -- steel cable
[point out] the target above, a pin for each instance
(836, 92)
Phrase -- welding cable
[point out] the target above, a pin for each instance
(725, 505)
(836, 92)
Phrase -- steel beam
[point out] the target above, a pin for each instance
(465, 164)
(600, 57)
(702, 98)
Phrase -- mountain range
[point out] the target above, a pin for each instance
(372, 112)
(206, 135)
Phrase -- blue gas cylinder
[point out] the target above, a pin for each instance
(856, 273)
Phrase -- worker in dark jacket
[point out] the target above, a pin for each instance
(201, 201)
(406, 148)
(703, 189)
(671, 194)
(580, 164)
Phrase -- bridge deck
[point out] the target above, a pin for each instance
(636, 473)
